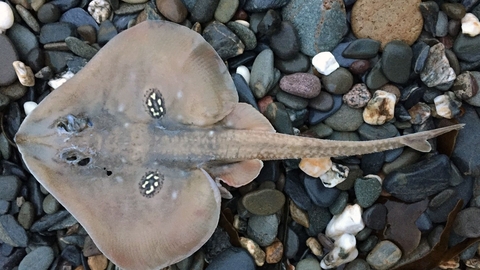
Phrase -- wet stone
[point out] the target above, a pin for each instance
(203, 10)
(375, 216)
(264, 202)
(296, 191)
(292, 244)
(232, 256)
(324, 102)
(243, 90)
(372, 163)
(284, 43)
(362, 48)
(345, 119)
(455, 11)
(106, 32)
(292, 101)
(57, 60)
(338, 54)
(244, 33)
(437, 69)
(270, 23)
(223, 40)
(304, 85)
(263, 5)
(320, 26)
(396, 61)
(441, 29)
(10, 187)
(375, 78)
(466, 48)
(87, 33)
(8, 55)
(319, 218)
(40, 258)
(300, 63)
(11, 232)
(358, 264)
(279, 117)
(384, 255)
(65, 5)
(466, 222)
(48, 221)
(464, 156)
(417, 181)
(316, 116)
(367, 190)
(35, 59)
(263, 229)
(339, 204)
(225, 10)
(309, 263)
(318, 193)
(359, 67)
(50, 204)
(338, 82)
(28, 18)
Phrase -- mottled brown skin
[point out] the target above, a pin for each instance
(132, 144)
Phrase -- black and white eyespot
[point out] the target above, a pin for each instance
(150, 184)
(155, 104)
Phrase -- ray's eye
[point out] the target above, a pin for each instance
(73, 123)
(150, 184)
(155, 103)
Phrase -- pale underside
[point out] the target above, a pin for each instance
(132, 144)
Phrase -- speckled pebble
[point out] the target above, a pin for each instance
(263, 229)
(80, 48)
(384, 255)
(367, 190)
(304, 85)
(358, 96)
(244, 33)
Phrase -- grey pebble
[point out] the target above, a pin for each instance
(126, 8)
(318, 217)
(338, 53)
(420, 53)
(466, 157)
(318, 193)
(324, 102)
(270, 23)
(57, 60)
(375, 216)
(466, 48)
(50, 204)
(263, 229)
(338, 82)
(23, 39)
(368, 244)
(233, 256)
(296, 191)
(225, 10)
(28, 18)
(4, 207)
(47, 221)
(244, 33)
(339, 204)
(292, 244)
(38, 259)
(65, 5)
(300, 63)
(316, 116)
(78, 17)
(345, 119)
(106, 32)
(56, 32)
(262, 74)
(309, 263)
(26, 215)
(362, 48)
(8, 55)
(263, 5)
(292, 101)
(11, 232)
(80, 48)
(284, 43)
(396, 61)
(49, 13)
(35, 59)
(310, 18)
(375, 78)
(10, 187)
(367, 190)
(441, 29)
(320, 130)
(264, 202)
(278, 116)
(5, 147)
(429, 10)
(358, 264)
(384, 255)
(203, 10)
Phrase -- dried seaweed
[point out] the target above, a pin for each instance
(440, 252)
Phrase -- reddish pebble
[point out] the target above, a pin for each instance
(304, 85)
(359, 66)
(174, 10)
(240, 15)
(264, 102)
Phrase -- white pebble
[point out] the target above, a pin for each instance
(335, 175)
(100, 10)
(470, 25)
(6, 17)
(325, 63)
(344, 251)
(24, 73)
(380, 108)
(349, 221)
(57, 82)
(243, 70)
(243, 22)
(29, 106)
(315, 167)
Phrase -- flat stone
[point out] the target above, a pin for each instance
(26, 215)
(384, 255)
(11, 232)
(420, 53)
(296, 191)
(47, 221)
(78, 17)
(106, 32)
(57, 60)
(362, 48)
(28, 18)
(437, 70)
(318, 218)
(270, 23)
(65, 5)
(466, 48)
(49, 13)
(318, 193)
(292, 101)
(345, 119)
(309, 263)
(396, 61)
(375, 78)
(387, 20)
(375, 216)
(429, 10)
(464, 156)
(39, 259)
(417, 181)
(80, 48)
(50, 204)
(304, 85)
(338, 82)
(320, 24)
(367, 190)
(279, 117)
(299, 64)
(263, 229)
(263, 5)
(359, 67)
(203, 10)
(8, 55)
(317, 116)
(56, 32)
(10, 187)
(225, 10)
(264, 202)
(455, 11)
(262, 73)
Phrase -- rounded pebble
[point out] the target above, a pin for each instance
(338, 82)
(6, 15)
(264, 202)
(263, 229)
(466, 223)
(8, 55)
(39, 259)
(367, 190)
(345, 119)
(396, 61)
(384, 255)
(304, 85)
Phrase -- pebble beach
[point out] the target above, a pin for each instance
(349, 70)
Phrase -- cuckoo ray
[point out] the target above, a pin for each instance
(133, 143)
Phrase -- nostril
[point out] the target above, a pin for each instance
(83, 162)
(75, 157)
